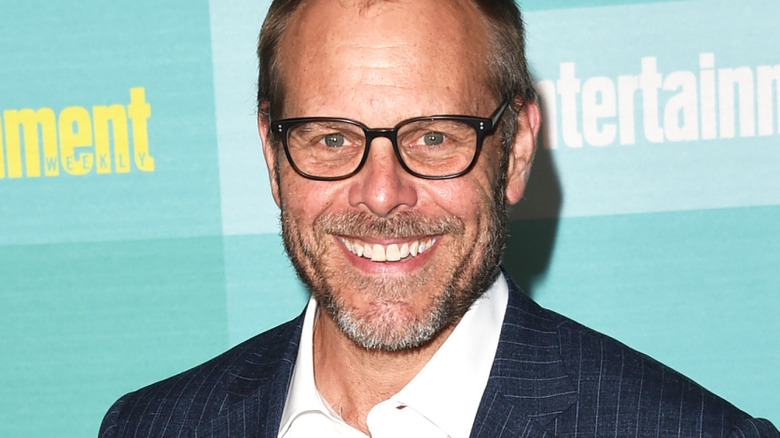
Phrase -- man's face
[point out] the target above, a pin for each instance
(440, 239)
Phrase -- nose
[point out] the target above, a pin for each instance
(382, 185)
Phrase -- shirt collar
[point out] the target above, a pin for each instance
(447, 391)
(303, 396)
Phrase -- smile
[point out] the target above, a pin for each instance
(388, 253)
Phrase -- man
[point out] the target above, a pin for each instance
(412, 330)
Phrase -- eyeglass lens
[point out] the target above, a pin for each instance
(433, 147)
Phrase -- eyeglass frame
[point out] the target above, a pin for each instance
(482, 125)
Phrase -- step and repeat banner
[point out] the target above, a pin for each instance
(138, 236)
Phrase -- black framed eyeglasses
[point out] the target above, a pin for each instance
(432, 147)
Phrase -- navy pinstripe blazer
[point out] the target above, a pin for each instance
(551, 377)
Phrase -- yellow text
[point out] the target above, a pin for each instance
(110, 139)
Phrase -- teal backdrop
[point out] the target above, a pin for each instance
(138, 237)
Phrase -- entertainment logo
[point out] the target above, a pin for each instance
(652, 107)
(76, 141)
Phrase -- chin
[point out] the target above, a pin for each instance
(385, 325)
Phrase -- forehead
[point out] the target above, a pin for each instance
(380, 54)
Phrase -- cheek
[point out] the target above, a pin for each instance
(465, 197)
(306, 199)
(490, 162)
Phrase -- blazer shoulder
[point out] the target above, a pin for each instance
(185, 401)
(614, 379)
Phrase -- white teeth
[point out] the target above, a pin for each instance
(389, 253)
(378, 253)
(404, 250)
(393, 254)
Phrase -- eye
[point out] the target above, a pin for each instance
(433, 138)
(334, 140)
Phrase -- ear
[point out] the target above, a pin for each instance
(269, 151)
(523, 148)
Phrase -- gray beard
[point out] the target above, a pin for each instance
(469, 280)
(471, 277)
(376, 332)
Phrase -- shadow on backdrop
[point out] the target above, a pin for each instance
(533, 222)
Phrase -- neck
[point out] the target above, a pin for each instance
(353, 379)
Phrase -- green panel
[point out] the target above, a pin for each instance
(91, 53)
(84, 323)
(262, 288)
(696, 290)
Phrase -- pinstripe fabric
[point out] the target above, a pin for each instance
(551, 377)
(554, 377)
(233, 395)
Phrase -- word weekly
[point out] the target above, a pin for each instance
(108, 139)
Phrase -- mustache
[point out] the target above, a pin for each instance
(400, 225)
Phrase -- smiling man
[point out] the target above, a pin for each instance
(396, 135)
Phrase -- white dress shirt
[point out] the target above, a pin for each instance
(440, 401)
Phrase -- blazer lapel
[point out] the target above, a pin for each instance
(258, 390)
(528, 385)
